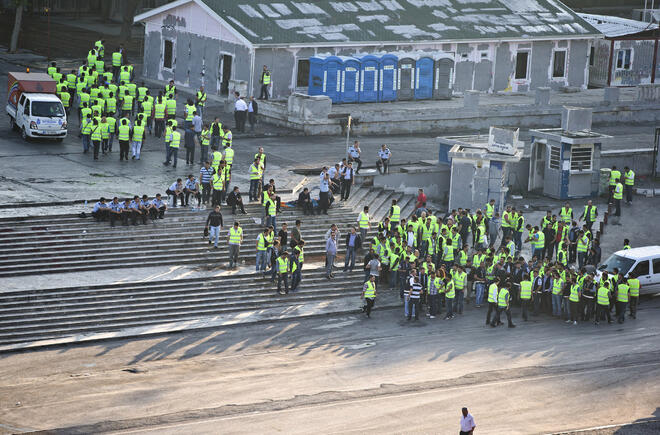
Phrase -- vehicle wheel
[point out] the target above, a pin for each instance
(24, 135)
(12, 124)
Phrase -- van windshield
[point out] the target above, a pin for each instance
(47, 109)
(621, 263)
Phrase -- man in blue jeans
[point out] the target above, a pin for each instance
(479, 284)
(262, 251)
(353, 243)
(330, 254)
(214, 225)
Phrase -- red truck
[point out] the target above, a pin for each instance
(33, 106)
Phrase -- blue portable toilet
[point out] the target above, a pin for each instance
(369, 76)
(350, 80)
(424, 78)
(388, 81)
(315, 86)
(332, 72)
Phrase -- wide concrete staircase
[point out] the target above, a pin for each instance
(68, 243)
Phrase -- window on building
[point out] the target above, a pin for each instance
(521, 64)
(592, 54)
(302, 79)
(559, 64)
(623, 59)
(581, 158)
(554, 157)
(168, 54)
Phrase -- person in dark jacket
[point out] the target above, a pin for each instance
(235, 200)
(353, 244)
(305, 202)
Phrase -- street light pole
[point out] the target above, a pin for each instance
(47, 9)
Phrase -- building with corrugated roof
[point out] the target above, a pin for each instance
(627, 56)
(495, 45)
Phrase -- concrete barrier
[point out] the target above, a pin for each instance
(471, 100)
(611, 96)
(542, 97)
(309, 106)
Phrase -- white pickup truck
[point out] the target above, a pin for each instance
(34, 108)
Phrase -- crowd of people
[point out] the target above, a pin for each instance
(434, 261)
(439, 262)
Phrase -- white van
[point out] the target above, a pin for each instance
(641, 263)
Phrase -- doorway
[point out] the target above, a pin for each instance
(224, 73)
(537, 163)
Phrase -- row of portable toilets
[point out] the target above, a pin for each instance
(380, 78)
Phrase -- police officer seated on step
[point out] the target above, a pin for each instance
(176, 191)
(158, 208)
(137, 210)
(192, 188)
(146, 206)
(115, 208)
(128, 213)
(100, 210)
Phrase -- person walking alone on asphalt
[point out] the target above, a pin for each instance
(369, 295)
(214, 226)
(467, 423)
(330, 254)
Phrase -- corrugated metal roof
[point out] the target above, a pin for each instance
(325, 22)
(616, 26)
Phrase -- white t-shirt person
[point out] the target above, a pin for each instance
(467, 423)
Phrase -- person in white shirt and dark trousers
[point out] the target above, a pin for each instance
(347, 180)
(467, 423)
(383, 163)
(354, 155)
(176, 191)
(240, 113)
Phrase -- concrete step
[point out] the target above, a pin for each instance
(36, 312)
(82, 299)
(126, 233)
(355, 201)
(383, 202)
(161, 241)
(7, 231)
(114, 321)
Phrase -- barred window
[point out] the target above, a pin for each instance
(581, 158)
(554, 157)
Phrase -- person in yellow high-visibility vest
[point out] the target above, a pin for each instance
(124, 137)
(369, 295)
(200, 101)
(629, 183)
(265, 81)
(255, 178)
(283, 269)
(235, 238)
(173, 149)
(614, 175)
(617, 195)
